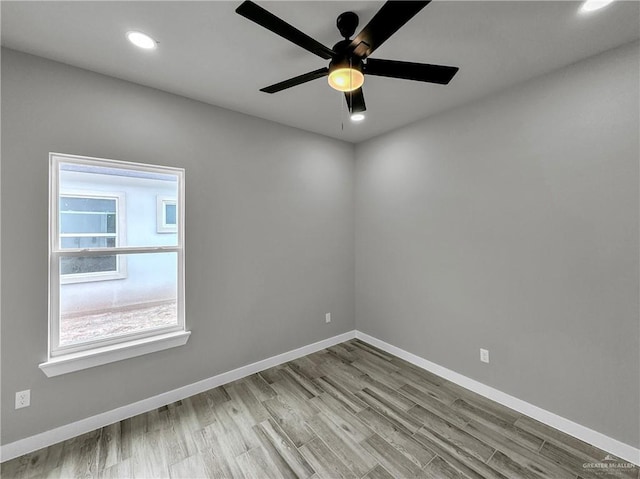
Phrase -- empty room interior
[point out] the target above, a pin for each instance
(304, 239)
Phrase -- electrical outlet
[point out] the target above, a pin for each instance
(484, 355)
(327, 318)
(23, 398)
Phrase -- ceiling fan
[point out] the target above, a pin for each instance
(349, 59)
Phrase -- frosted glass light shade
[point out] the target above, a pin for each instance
(346, 79)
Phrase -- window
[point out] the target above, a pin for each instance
(167, 215)
(89, 220)
(116, 280)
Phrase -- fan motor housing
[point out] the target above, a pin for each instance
(345, 61)
(341, 47)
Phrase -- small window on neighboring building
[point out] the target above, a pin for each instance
(90, 220)
(167, 215)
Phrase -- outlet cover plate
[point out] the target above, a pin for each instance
(23, 398)
(484, 355)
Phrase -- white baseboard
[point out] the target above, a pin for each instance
(62, 433)
(606, 443)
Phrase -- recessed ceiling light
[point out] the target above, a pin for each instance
(141, 40)
(593, 5)
(357, 117)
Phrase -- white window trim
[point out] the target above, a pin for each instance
(121, 235)
(109, 354)
(161, 215)
(62, 360)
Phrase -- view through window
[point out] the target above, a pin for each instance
(115, 276)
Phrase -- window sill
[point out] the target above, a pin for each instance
(116, 352)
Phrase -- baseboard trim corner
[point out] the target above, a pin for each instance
(62, 433)
(595, 438)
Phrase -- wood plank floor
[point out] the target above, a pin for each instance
(349, 411)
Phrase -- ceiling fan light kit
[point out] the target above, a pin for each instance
(345, 76)
(349, 63)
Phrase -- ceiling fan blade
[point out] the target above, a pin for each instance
(299, 80)
(355, 101)
(388, 20)
(410, 71)
(269, 21)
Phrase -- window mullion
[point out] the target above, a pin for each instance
(88, 235)
(116, 250)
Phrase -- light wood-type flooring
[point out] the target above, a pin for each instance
(349, 411)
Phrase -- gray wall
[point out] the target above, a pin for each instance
(512, 224)
(269, 245)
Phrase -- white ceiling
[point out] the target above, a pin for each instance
(209, 53)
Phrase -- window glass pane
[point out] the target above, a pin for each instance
(91, 205)
(87, 215)
(170, 214)
(87, 222)
(143, 301)
(88, 264)
(137, 210)
(88, 241)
